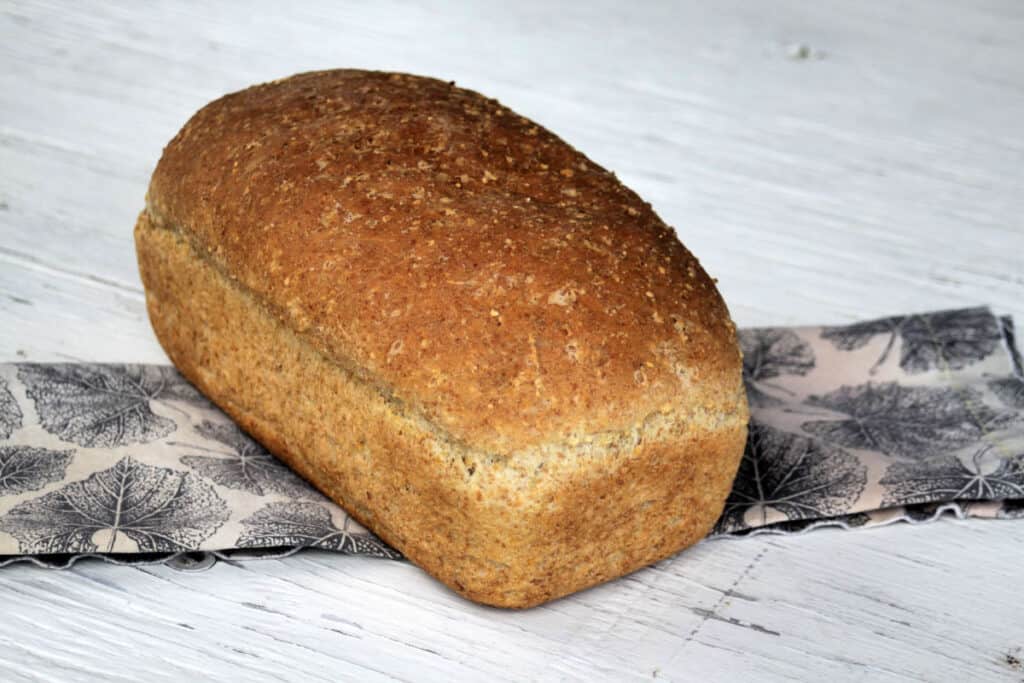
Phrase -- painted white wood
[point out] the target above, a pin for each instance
(827, 161)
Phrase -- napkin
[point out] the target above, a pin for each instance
(904, 418)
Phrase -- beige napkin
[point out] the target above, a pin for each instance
(903, 418)
(897, 419)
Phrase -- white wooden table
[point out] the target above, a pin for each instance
(828, 161)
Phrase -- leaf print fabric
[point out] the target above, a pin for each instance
(104, 405)
(948, 478)
(1010, 391)
(907, 418)
(768, 354)
(934, 426)
(952, 339)
(242, 463)
(904, 421)
(308, 525)
(10, 412)
(133, 463)
(130, 506)
(792, 475)
(26, 468)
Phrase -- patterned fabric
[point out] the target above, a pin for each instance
(899, 419)
(130, 461)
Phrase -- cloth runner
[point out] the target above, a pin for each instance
(898, 419)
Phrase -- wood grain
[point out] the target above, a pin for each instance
(827, 161)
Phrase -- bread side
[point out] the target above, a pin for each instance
(459, 258)
(510, 529)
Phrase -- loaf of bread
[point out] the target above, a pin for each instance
(473, 338)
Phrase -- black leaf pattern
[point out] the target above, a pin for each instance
(770, 353)
(105, 405)
(857, 335)
(177, 388)
(26, 468)
(305, 524)
(1010, 391)
(128, 507)
(948, 479)
(905, 421)
(948, 339)
(797, 476)
(10, 412)
(245, 464)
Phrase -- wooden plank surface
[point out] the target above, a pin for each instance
(827, 161)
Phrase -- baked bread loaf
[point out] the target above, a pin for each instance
(473, 338)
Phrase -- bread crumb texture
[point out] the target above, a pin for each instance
(475, 339)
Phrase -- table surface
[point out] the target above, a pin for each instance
(827, 161)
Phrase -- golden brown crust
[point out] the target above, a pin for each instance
(514, 532)
(465, 262)
(473, 338)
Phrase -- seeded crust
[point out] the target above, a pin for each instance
(472, 337)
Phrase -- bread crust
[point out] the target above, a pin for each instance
(475, 339)
(453, 253)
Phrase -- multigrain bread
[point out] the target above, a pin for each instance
(473, 338)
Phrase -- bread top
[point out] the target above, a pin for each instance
(472, 266)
